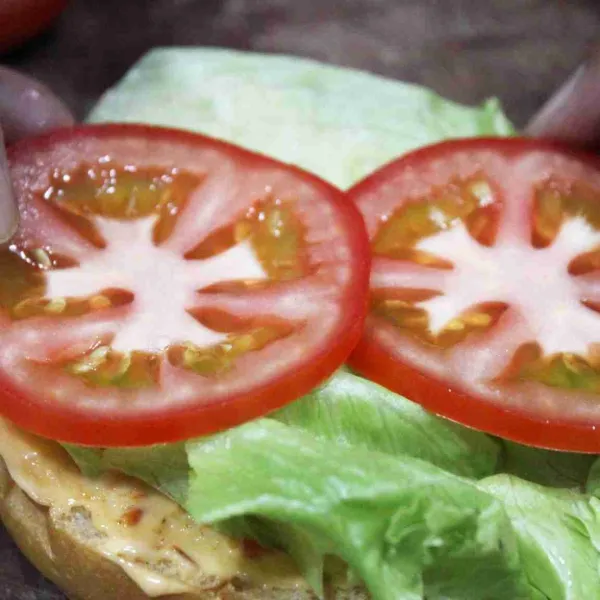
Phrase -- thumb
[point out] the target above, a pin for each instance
(572, 114)
(8, 206)
(27, 108)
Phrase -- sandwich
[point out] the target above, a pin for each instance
(275, 329)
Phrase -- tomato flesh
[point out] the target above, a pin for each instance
(484, 290)
(165, 285)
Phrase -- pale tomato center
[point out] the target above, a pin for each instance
(163, 284)
(536, 282)
(499, 272)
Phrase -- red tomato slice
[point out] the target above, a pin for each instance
(485, 287)
(165, 285)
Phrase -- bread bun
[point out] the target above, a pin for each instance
(115, 539)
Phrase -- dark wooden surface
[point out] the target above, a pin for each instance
(518, 50)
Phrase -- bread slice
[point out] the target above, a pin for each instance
(114, 538)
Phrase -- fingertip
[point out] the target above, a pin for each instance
(572, 114)
(28, 107)
(9, 214)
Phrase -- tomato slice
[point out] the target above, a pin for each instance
(485, 287)
(165, 285)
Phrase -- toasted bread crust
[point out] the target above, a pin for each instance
(64, 552)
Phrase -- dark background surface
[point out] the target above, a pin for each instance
(467, 50)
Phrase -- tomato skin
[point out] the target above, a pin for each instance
(21, 20)
(72, 424)
(434, 395)
(371, 359)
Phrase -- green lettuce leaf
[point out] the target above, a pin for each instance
(406, 527)
(558, 534)
(89, 460)
(546, 467)
(163, 466)
(593, 482)
(353, 470)
(348, 410)
(353, 411)
(338, 123)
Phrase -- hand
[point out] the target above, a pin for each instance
(26, 108)
(572, 114)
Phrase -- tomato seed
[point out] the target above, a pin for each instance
(275, 234)
(471, 201)
(124, 193)
(219, 359)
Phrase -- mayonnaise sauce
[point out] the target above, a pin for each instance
(153, 539)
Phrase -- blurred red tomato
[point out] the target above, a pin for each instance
(20, 20)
